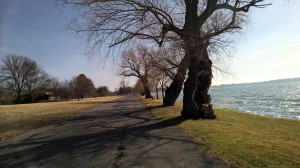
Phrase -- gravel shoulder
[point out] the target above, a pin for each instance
(120, 133)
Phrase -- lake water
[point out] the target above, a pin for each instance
(279, 98)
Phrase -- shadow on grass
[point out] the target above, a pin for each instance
(156, 107)
(174, 121)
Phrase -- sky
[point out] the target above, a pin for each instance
(268, 48)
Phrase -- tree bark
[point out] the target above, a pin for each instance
(173, 91)
(156, 90)
(146, 88)
(32, 98)
(19, 101)
(162, 92)
(190, 25)
(196, 101)
(147, 92)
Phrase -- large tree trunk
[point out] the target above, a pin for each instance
(19, 98)
(173, 91)
(156, 90)
(147, 92)
(196, 101)
(162, 92)
(32, 99)
(146, 88)
(190, 27)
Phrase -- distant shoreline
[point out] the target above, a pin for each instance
(261, 82)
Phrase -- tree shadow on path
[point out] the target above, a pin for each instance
(95, 139)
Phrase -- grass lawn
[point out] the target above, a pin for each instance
(16, 119)
(240, 139)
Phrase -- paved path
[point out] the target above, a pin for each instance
(120, 133)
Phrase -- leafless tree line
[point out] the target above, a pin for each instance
(22, 80)
(154, 69)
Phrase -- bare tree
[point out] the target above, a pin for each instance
(164, 83)
(124, 87)
(169, 63)
(1, 93)
(6, 95)
(67, 87)
(160, 80)
(155, 78)
(139, 87)
(54, 86)
(138, 64)
(102, 91)
(194, 22)
(36, 81)
(167, 59)
(15, 72)
(83, 86)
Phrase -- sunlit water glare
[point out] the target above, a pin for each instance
(274, 98)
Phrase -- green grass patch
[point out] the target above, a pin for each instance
(241, 139)
(16, 119)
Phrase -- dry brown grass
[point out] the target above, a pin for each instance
(16, 119)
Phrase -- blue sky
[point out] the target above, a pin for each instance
(38, 29)
(268, 48)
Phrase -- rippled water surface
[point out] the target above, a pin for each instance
(274, 98)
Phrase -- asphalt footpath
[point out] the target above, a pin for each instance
(118, 134)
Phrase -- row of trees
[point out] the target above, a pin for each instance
(22, 80)
(21, 75)
(196, 25)
(154, 69)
